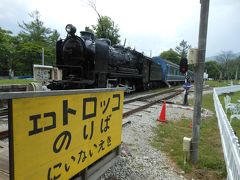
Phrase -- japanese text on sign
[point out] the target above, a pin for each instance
(58, 136)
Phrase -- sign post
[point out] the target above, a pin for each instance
(187, 85)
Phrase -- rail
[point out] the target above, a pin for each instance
(149, 104)
(142, 97)
(230, 143)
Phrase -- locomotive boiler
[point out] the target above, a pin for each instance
(87, 62)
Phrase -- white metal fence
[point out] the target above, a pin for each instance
(230, 143)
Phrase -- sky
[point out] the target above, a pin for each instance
(150, 26)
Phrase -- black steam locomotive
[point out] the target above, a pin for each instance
(87, 62)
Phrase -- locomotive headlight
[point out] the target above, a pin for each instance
(70, 29)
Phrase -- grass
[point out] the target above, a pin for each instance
(169, 138)
(15, 81)
(220, 83)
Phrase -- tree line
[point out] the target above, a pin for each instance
(179, 52)
(225, 66)
(19, 52)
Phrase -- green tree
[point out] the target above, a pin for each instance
(237, 75)
(6, 51)
(52, 40)
(34, 31)
(231, 67)
(33, 37)
(28, 53)
(170, 55)
(213, 69)
(182, 49)
(106, 27)
(225, 58)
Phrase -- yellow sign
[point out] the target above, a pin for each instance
(55, 137)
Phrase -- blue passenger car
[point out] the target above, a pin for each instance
(170, 71)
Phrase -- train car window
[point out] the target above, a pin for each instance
(171, 70)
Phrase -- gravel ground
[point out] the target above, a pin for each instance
(138, 159)
(3, 124)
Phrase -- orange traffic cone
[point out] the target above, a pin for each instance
(190, 125)
(162, 116)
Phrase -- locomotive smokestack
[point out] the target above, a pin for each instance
(86, 35)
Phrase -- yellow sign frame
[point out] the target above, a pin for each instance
(58, 136)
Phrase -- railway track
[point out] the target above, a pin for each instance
(3, 134)
(3, 122)
(138, 104)
(3, 111)
(150, 95)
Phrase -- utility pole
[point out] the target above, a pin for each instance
(42, 56)
(198, 78)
